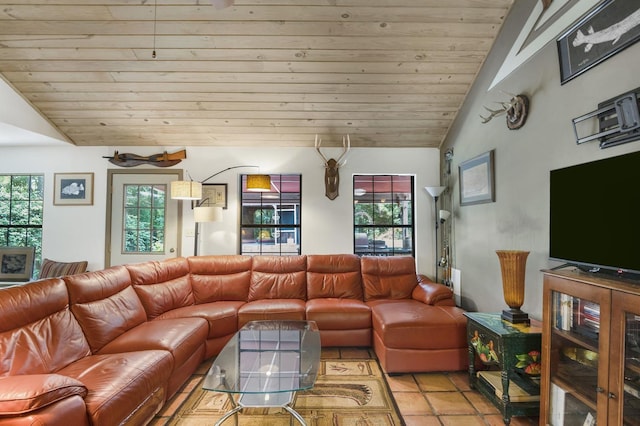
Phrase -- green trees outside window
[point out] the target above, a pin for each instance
(21, 213)
(383, 212)
(144, 218)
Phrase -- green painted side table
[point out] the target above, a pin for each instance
(504, 363)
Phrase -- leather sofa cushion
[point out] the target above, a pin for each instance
(339, 314)
(160, 298)
(162, 286)
(278, 277)
(271, 309)
(38, 333)
(388, 277)
(220, 278)
(409, 324)
(182, 337)
(105, 304)
(120, 384)
(431, 293)
(221, 316)
(154, 272)
(65, 412)
(334, 276)
(30, 392)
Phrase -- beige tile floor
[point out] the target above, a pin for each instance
(426, 399)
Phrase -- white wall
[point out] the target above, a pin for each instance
(519, 218)
(78, 232)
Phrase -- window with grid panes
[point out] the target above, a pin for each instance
(270, 221)
(383, 212)
(21, 213)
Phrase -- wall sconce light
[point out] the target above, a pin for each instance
(435, 192)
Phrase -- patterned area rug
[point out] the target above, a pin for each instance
(350, 390)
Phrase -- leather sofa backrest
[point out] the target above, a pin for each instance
(162, 286)
(391, 277)
(278, 277)
(336, 276)
(105, 304)
(220, 278)
(38, 333)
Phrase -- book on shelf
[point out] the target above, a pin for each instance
(516, 393)
(566, 302)
(586, 318)
(564, 311)
(557, 402)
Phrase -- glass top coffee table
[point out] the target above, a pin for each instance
(266, 362)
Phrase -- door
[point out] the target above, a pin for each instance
(143, 221)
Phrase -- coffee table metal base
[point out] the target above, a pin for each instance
(280, 400)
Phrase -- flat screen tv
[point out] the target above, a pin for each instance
(595, 215)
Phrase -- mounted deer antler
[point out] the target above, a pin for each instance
(331, 174)
(516, 110)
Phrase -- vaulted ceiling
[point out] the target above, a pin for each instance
(391, 73)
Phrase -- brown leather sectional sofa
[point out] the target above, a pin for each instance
(110, 347)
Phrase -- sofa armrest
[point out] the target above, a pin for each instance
(432, 293)
(25, 393)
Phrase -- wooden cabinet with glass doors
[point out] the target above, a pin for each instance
(590, 350)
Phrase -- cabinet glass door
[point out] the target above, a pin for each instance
(624, 380)
(631, 400)
(575, 336)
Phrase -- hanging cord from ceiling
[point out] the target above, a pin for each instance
(155, 10)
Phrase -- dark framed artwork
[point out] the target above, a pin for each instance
(16, 263)
(73, 189)
(608, 28)
(477, 183)
(214, 195)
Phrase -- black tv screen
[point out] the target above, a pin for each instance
(595, 214)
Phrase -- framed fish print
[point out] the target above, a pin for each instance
(73, 189)
(608, 28)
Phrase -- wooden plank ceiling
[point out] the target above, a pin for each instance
(391, 73)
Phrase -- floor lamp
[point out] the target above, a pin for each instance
(435, 192)
(192, 190)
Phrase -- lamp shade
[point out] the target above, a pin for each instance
(258, 183)
(434, 191)
(207, 214)
(186, 190)
(444, 215)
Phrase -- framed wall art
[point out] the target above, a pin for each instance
(214, 195)
(73, 189)
(16, 263)
(608, 28)
(477, 184)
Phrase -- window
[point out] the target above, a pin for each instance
(383, 215)
(270, 221)
(144, 218)
(21, 213)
